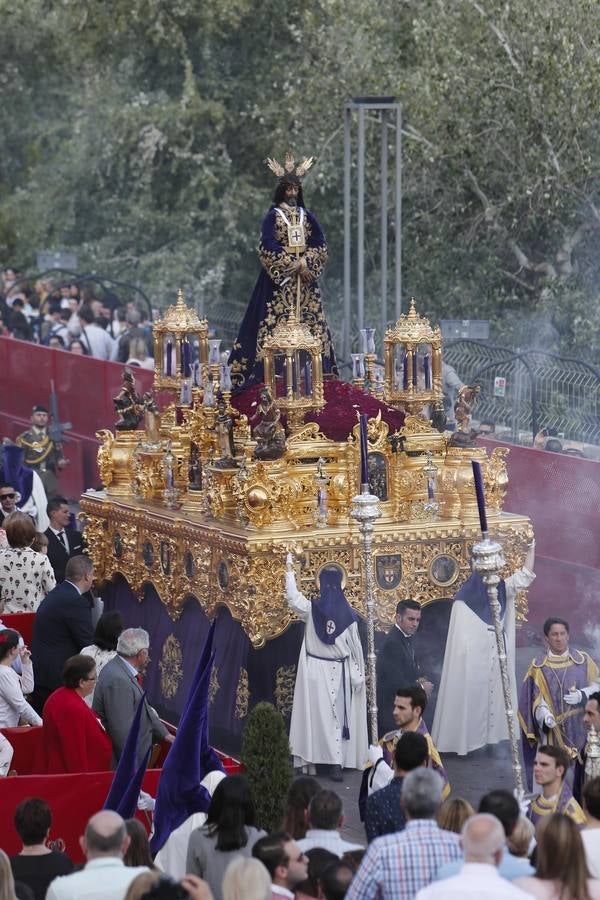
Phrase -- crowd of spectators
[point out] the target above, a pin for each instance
(70, 317)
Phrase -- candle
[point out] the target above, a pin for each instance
(405, 371)
(427, 372)
(430, 488)
(478, 479)
(414, 368)
(307, 379)
(294, 376)
(364, 464)
(185, 395)
(186, 357)
(169, 358)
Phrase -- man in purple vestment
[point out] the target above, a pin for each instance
(550, 768)
(554, 691)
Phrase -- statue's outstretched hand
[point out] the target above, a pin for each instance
(289, 562)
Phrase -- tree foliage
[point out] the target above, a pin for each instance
(267, 764)
(134, 132)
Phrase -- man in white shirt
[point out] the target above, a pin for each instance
(325, 818)
(591, 833)
(483, 842)
(104, 844)
(285, 862)
(95, 339)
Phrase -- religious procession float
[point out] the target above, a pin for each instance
(237, 459)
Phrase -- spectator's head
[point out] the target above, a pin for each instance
(133, 644)
(591, 714)
(300, 793)
(80, 571)
(550, 766)
(422, 794)
(32, 821)
(86, 314)
(105, 835)
(76, 346)
(409, 706)
(325, 811)
(487, 427)
(553, 445)
(7, 882)
(8, 498)
(9, 646)
(55, 342)
(556, 632)
(138, 852)
(285, 862)
(591, 798)
(142, 885)
(57, 510)
(138, 348)
(318, 859)
(336, 879)
(410, 752)
(20, 530)
(79, 674)
(40, 543)
(483, 839)
(408, 616)
(561, 856)
(503, 805)
(133, 317)
(453, 814)
(108, 628)
(246, 879)
(231, 809)
(520, 840)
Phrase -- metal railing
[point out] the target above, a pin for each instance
(540, 389)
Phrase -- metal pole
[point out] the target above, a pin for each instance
(361, 221)
(398, 261)
(365, 510)
(347, 238)
(384, 220)
(488, 560)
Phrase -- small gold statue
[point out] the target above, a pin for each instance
(268, 431)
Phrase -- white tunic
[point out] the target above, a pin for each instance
(470, 710)
(318, 710)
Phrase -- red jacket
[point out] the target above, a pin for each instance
(73, 738)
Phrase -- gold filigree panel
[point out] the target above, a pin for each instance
(242, 695)
(285, 679)
(171, 667)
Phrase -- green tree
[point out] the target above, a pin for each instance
(266, 759)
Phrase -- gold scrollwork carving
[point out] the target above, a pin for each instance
(171, 667)
(285, 679)
(242, 695)
(214, 685)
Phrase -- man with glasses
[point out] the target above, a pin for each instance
(119, 690)
(8, 501)
(285, 862)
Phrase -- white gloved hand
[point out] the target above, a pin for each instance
(573, 698)
(523, 803)
(145, 801)
(375, 753)
(549, 721)
(289, 562)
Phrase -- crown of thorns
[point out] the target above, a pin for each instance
(289, 167)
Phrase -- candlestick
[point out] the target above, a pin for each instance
(479, 491)
(364, 458)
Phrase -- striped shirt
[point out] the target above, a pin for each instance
(396, 866)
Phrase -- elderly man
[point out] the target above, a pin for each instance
(396, 661)
(119, 691)
(104, 843)
(396, 866)
(483, 842)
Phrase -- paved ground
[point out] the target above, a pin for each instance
(470, 776)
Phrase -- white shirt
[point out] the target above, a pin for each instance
(281, 891)
(99, 879)
(101, 657)
(99, 342)
(476, 880)
(327, 839)
(591, 843)
(13, 704)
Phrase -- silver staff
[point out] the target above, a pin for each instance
(488, 560)
(365, 509)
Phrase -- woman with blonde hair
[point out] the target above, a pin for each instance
(7, 882)
(562, 872)
(453, 814)
(246, 879)
(519, 842)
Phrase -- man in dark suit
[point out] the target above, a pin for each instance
(61, 628)
(397, 663)
(63, 542)
(119, 691)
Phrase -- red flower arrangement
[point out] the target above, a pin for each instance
(338, 418)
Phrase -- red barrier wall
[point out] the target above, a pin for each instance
(84, 387)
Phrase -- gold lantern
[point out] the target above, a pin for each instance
(174, 338)
(293, 370)
(413, 363)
